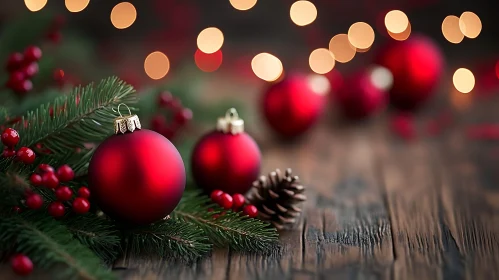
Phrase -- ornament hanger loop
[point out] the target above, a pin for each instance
(118, 111)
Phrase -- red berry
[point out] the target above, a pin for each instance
(65, 173)
(165, 98)
(175, 104)
(167, 132)
(250, 210)
(226, 201)
(15, 78)
(158, 122)
(239, 201)
(54, 36)
(44, 168)
(84, 192)
(16, 209)
(26, 155)
(50, 180)
(216, 195)
(14, 61)
(216, 216)
(32, 54)
(30, 70)
(21, 264)
(8, 152)
(34, 201)
(81, 205)
(10, 137)
(22, 87)
(56, 209)
(183, 116)
(35, 179)
(63, 193)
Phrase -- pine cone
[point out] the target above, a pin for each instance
(277, 198)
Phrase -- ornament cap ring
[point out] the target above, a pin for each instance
(231, 123)
(128, 123)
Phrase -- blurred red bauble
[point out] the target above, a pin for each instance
(364, 93)
(137, 177)
(227, 159)
(416, 65)
(293, 105)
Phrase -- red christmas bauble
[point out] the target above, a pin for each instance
(293, 105)
(227, 159)
(136, 177)
(416, 65)
(363, 94)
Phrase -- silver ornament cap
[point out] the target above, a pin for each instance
(231, 123)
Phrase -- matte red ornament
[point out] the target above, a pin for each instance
(21, 264)
(361, 95)
(10, 137)
(292, 105)
(417, 66)
(34, 201)
(56, 209)
(227, 159)
(84, 192)
(226, 201)
(136, 177)
(26, 155)
(63, 193)
(81, 205)
(65, 173)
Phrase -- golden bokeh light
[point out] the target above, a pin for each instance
(470, 24)
(464, 80)
(341, 48)
(156, 65)
(396, 21)
(451, 31)
(319, 84)
(267, 67)
(303, 12)
(123, 15)
(76, 6)
(243, 5)
(321, 61)
(404, 35)
(210, 40)
(361, 35)
(35, 5)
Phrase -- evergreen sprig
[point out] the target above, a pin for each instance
(49, 243)
(229, 229)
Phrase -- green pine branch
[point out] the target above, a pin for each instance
(49, 243)
(229, 229)
(74, 122)
(169, 238)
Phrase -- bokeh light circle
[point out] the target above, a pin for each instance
(76, 6)
(208, 62)
(267, 67)
(341, 48)
(210, 40)
(303, 12)
(35, 5)
(464, 80)
(470, 24)
(123, 15)
(243, 5)
(396, 21)
(404, 35)
(451, 31)
(321, 61)
(319, 84)
(156, 65)
(361, 35)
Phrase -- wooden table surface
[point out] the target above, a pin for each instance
(378, 208)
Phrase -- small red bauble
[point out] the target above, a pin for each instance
(50, 180)
(251, 211)
(146, 180)
(239, 201)
(32, 54)
(8, 152)
(10, 137)
(35, 179)
(364, 93)
(81, 205)
(292, 105)
(416, 65)
(84, 192)
(30, 70)
(26, 155)
(183, 116)
(216, 196)
(34, 201)
(227, 159)
(63, 193)
(226, 201)
(21, 264)
(65, 173)
(14, 61)
(56, 209)
(44, 168)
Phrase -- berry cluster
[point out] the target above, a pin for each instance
(181, 116)
(10, 138)
(236, 202)
(46, 176)
(23, 67)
